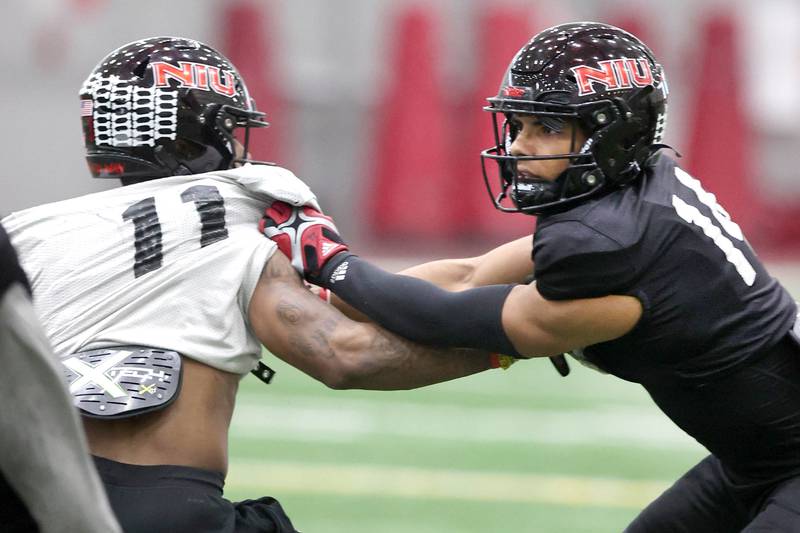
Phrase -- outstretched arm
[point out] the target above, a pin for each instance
(316, 338)
(508, 263)
(509, 319)
(505, 318)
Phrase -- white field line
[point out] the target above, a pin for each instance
(349, 420)
(426, 484)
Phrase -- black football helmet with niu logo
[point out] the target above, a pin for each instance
(164, 106)
(600, 77)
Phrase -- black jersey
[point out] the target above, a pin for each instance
(10, 271)
(709, 306)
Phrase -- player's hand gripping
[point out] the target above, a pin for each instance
(307, 237)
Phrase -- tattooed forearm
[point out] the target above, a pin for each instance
(395, 362)
(308, 334)
(392, 351)
(316, 338)
(289, 313)
(321, 336)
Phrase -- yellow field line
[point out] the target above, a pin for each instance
(419, 483)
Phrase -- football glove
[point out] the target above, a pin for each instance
(307, 237)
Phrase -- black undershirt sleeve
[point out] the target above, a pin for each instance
(418, 310)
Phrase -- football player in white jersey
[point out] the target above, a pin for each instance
(157, 296)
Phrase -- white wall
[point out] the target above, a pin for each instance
(328, 52)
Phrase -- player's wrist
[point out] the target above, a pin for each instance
(334, 269)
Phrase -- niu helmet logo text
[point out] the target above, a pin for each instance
(195, 76)
(623, 73)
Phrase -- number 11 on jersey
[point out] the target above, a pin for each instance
(210, 206)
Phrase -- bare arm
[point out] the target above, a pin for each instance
(508, 263)
(316, 338)
(540, 327)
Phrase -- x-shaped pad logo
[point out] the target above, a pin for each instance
(97, 374)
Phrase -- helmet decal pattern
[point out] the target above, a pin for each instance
(661, 118)
(661, 122)
(164, 106)
(125, 115)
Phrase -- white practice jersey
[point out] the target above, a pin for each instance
(169, 263)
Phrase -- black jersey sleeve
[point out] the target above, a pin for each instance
(10, 270)
(573, 260)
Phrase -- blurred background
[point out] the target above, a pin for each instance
(376, 104)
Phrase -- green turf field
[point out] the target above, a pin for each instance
(522, 450)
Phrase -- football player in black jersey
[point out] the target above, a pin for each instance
(43, 453)
(638, 270)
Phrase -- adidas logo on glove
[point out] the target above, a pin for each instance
(327, 247)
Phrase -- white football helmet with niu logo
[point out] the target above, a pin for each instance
(601, 77)
(164, 106)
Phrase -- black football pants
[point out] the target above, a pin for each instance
(177, 499)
